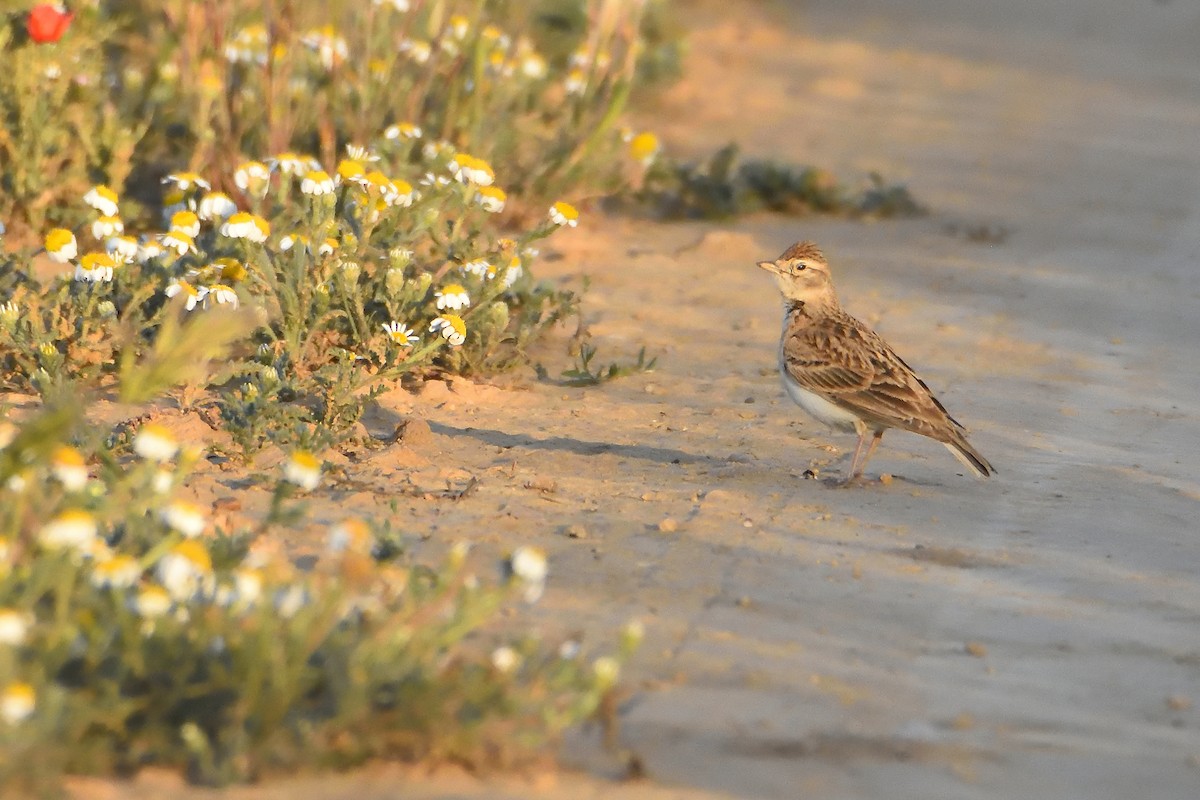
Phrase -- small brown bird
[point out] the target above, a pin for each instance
(844, 374)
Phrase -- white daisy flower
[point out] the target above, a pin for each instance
(118, 572)
(513, 273)
(303, 469)
(468, 169)
(186, 570)
(564, 214)
(148, 249)
(402, 130)
(290, 240)
(222, 295)
(293, 164)
(14, 626)
(216, 205)
(458, 26)
(95, 268)
(187, 222)
(416, 49)
(252, 177)
(186, 180)
(103, 199)
(152, 602)
(61, 246)
(183, 517)
(400, 193)
(107, 226)
(351, 171)
(192, 295)
(491, 198)
(331, 48)
(451, 328)
(74, 530)
(505, 659)
(479, 267)
(123, 248)
(533, 66)
(244, 225)
(154, 442)
(576, 82)
(452, 296)
(179, 241)
(528, 564)
(18, 701)
(400, 333)
(350, 535)
(316, 183)
(247, 586)
(359, 153)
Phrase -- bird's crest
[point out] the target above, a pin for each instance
(802, 250)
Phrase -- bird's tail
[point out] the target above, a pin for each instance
(970, 457)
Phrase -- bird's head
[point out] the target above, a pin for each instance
(802, 274)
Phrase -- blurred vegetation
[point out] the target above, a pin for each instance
(726, 186)
(136, 629)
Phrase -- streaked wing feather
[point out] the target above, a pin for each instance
(850, 365)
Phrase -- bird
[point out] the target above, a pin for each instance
(845, 375)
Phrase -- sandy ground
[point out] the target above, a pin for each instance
(1035, 635)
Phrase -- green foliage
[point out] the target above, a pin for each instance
(726, 186)
(584, 374)
(133, 631)
(140, 88)
(371, 240)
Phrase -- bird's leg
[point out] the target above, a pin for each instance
(854, 470)
(870, 450)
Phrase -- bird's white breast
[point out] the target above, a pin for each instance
(818, 407)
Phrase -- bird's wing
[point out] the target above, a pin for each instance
(844, 361)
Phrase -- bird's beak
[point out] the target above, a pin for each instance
(767, 265)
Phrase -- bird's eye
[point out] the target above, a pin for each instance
(799, 266)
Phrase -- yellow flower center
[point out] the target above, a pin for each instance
(68, 457)
(643, 146)
(92, 261)
(58, 238)
(305, 460)
(194, 551)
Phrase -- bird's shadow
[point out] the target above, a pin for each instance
(567, 444)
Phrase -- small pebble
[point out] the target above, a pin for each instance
(1179, 702)
(543, 485)
(885, 478)
(963, 722)
(668, 525)
(576, 531)
(976, 649)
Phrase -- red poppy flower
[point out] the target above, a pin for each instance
(48, 22)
